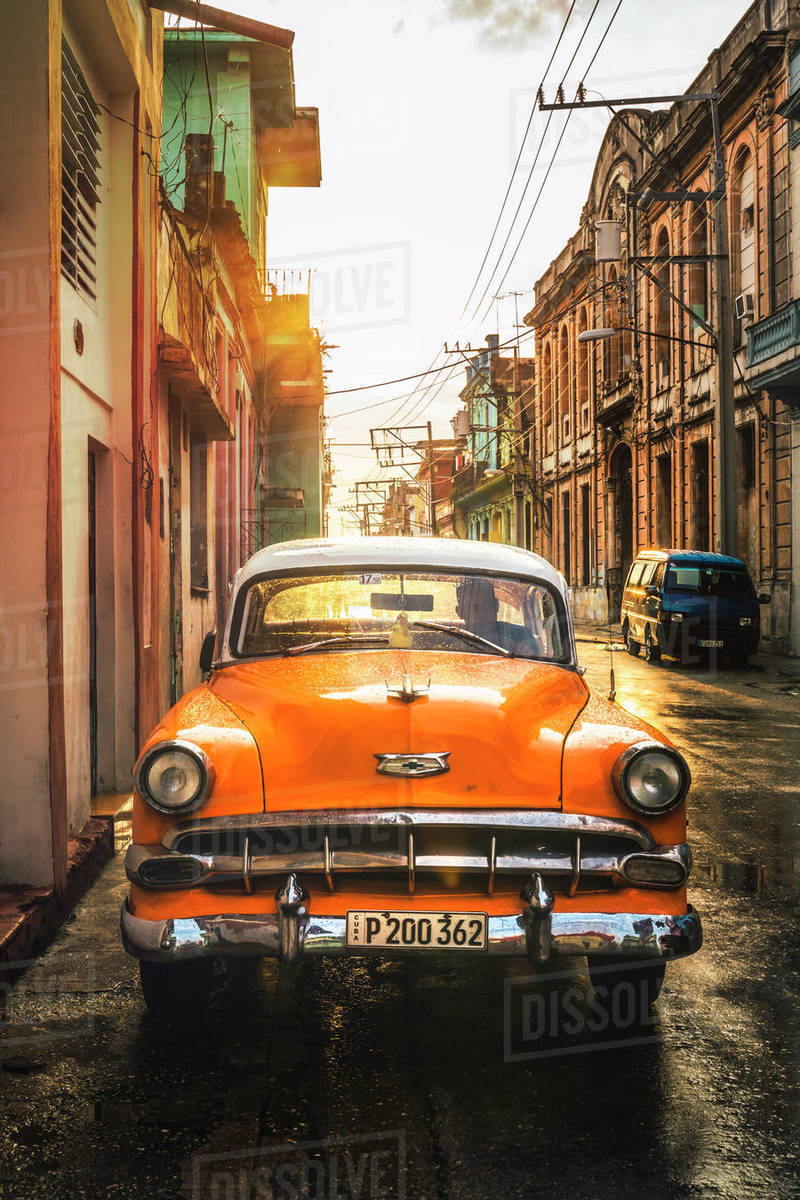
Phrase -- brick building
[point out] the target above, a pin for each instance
(626, 451)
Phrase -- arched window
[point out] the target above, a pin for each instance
(582, 374)
(698, 272)
(662, 310)
(563, 384)
(742, 233)
(547, 397)
(611, 345)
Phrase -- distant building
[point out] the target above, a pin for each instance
(490, 492)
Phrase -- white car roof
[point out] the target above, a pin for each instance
(425, 553)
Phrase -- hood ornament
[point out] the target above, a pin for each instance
(408, 690)
(413, 766)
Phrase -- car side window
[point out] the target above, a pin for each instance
(648, 572)
(635, 575)
(658, 576)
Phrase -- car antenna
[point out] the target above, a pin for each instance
(612, 683)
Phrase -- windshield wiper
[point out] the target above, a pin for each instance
(342, 639)
(466, 634)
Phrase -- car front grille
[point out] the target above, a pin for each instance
(441, 850)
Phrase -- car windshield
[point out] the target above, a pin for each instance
(414, 611)
(709, 581)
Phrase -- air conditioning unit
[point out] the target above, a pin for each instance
(745, 307)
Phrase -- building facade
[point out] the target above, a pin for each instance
(145, 359)
(239, 386)
(627, 442)
(77, 222)
(490, 492)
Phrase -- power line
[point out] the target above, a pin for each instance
(516, 164)
(420, 374)
(552, 160)
(536, 159)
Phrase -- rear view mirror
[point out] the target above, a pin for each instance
(764, 598)
(395, 602)
(207, 651)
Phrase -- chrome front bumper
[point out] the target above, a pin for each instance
(293, 932)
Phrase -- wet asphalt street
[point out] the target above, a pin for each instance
(450, 1081)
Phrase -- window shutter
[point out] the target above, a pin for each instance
(80, 168)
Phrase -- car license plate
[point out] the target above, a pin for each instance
(710, 643)
(417, 930)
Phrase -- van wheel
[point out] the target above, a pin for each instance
(632, 646)
(652, 650)
(176, 992)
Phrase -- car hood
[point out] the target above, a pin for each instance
(319, 721)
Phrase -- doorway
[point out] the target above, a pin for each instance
(92, 541)
(621, 489)
(178, 442)
(700, 505)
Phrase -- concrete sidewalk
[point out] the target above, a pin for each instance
(31, 916)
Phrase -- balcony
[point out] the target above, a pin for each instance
(616, 398)
(773, 349)
(291, 157)
(774, 335)
(293, 350)
(187, 357)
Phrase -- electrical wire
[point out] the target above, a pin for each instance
(535, 162)
(419, 375)
(518, 160)
(552, 160)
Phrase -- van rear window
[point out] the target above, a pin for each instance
(709, 581)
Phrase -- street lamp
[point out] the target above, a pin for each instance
(599, 335)
(596, 335)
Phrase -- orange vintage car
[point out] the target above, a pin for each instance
(395, 752)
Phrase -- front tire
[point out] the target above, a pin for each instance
(176, 992)
(626, 991)
(631, 645)
(652, 650)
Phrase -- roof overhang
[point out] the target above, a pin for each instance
(219, 18)
(291, 157)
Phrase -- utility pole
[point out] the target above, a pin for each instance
(432, 478)
(518, 477)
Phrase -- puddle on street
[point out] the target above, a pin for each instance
(757, 878)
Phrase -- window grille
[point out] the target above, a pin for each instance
(79, 176)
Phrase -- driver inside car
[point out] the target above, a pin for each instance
(477, 605)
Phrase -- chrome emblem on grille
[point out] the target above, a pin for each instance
(413, 766)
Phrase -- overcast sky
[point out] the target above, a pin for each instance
(422, 108)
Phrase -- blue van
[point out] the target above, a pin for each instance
(687, 603)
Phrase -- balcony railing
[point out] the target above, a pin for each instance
(776, 334)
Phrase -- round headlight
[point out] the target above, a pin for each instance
(174, 776)
(651, 778)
